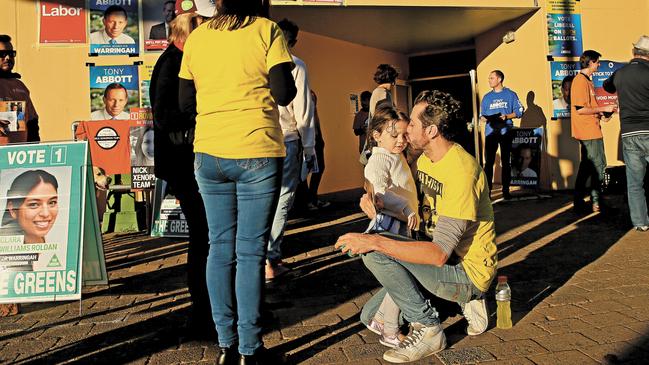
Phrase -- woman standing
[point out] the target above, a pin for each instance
(236, 69)
(174, 158)
(385, 76)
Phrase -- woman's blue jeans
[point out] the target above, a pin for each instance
(240, 197)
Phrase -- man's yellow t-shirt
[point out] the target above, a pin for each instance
(456, 187)
(237, 116)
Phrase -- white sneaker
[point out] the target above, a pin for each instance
(422, 342)
(476, 314)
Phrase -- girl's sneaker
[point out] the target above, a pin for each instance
(376, 327)
(391, 341)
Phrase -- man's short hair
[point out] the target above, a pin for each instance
(366, 95)
(566, 80)
(500, 75)
(587, 57)
(4, 38)
(113, 86)
(114, 9)
(441, 110)
(169, 2)
(290, 29)
(385, 74)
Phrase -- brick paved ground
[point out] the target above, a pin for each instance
(580, 287)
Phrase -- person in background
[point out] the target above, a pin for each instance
(585, 118)
(385, 76)
(173, 133)
(314, 181)
(298, 127)
(238, 164)
(631, 83)
(498, 108)
(361, 119)
(13, 89)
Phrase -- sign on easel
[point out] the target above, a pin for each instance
(49, 233)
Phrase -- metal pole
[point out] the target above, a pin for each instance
(476, 122)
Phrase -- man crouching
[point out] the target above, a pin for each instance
(455, 187)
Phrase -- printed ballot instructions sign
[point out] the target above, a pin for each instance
(49, 220)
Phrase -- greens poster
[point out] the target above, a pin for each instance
(42, 199)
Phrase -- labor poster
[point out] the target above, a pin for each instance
(113, 27)
(562, 73)
(141, 157)
(606, 69)
(114, 90)
(168, 219)
(62, 21)
(564, 28)
(156, 16)
(42, 191)
(527, 145)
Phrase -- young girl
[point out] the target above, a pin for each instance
(392, 182)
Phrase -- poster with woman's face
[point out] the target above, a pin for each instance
(141, 138)
(35, 213)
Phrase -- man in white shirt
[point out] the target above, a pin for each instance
(115, 20)
(115, 99)
(298, 126)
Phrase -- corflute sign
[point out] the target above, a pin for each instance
(62, 21)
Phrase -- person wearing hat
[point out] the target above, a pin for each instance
(174, 156)
(631, 83)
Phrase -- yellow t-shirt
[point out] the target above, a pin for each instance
(237, 116)
(456, 187)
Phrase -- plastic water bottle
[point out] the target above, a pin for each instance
(503, 299)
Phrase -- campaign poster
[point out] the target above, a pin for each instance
(527, 144)
(606, 70)
(168, 219)
(114, 90)
(564, 35)
(62, 21)
(145, 82)
(156, 16)
(113, 27)
(141, 141)
(13, 112)
(42, 190)
(562, 73)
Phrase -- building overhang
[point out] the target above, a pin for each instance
(401, 29)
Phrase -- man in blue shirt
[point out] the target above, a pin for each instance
(498, 108)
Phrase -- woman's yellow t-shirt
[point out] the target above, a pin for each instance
(237, 116)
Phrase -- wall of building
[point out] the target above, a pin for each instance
(607, 27)
(57, 77)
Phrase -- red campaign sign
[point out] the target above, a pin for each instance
(62, 21)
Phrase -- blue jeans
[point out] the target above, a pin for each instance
(592, 165)
(240, 197)
(636, 157)
(404, 282)
(290, 180)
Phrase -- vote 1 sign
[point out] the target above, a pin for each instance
(46, 198)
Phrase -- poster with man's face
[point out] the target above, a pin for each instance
(156, 18)
(527, 145)
(562, 74)
(114, 90)
(113, 27)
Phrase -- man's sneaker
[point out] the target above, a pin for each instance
(642, 228)
(391, 341)
(475, 313)
(375, 326)
(422, 342)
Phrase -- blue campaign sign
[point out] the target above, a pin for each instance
(606, 69)
(43, 194)
(564, 35)
(113, 27)
(559, 70)
(107, 87)
(102, 76)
